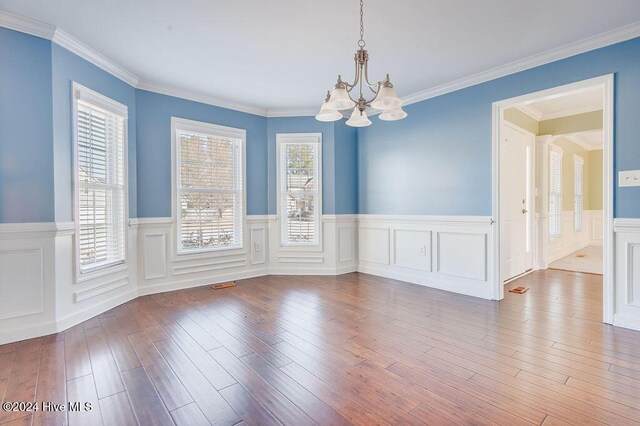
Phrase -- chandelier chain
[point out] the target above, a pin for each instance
(361, 42)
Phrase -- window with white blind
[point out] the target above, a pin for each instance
(578, 176)
(208, 186)
(555, 194)
(299, 188)
(100, 127)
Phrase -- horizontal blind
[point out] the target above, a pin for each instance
(209, 191)
(555, 194)
(101, 186)
(299, 192)
(578, 168)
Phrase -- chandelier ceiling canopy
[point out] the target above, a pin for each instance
(384, 95)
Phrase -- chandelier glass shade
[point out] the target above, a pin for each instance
(326, 113)
(384, 96)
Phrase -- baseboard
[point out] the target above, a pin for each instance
(88, 313)
(625, 321)
(199, 282)
(28, 332)
(437, 281)
(306, 270)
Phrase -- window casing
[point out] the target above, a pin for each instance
(208, 186)
(555, 194)
(100, 183)
(578, 179)
(299, 188)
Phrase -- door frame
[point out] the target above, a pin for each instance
(532, 205)
(606, 82)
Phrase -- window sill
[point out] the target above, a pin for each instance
(208, 254)
(101, 271)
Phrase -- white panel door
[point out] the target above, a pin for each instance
(516, 148)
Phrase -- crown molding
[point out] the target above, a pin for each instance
(591, 43)
(60, 37)
(198, 97)
(26, 25)
(72, 44)
(292, 112)
(569, 113)
(532, 112)
(576, 138)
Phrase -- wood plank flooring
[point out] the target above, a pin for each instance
(352, 349)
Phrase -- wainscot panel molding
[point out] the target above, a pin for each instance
(627, 273)
(335, 254)
(40, 293)
(446, 252)
(571, 240)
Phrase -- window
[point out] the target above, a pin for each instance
(100, 126)
(578, 172)
(209, 196)
(299, 188)
(555, 193)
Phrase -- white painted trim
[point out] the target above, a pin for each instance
(531, 111)
(79, 92)
(296, 138)
(597, 41)
(202, 98)
(74, 45)
(451, 220)
(26, 25)
(606, 82)
(39, 228)
(210, 129)
(626, 225)
(292, 112)
(261, 217)
(150, 221)
(568, 113)
(572, 137)
(47, 31)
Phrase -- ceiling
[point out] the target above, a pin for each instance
(566, 104)
(287, 53)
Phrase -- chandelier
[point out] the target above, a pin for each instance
(384, 95)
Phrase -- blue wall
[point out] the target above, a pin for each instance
(66, 68)
(26, 152)
(154, 112)
(346, 166)
(438, 160)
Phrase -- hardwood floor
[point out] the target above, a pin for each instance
(352, 349)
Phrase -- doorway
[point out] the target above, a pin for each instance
(527, 208)
(516, 189)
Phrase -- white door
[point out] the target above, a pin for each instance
(516, 165)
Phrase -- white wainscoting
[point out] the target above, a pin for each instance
(335, 254)
(452, 253)
(570, 240)
(39, 292)
(163, 269)
(627, 273)
(27, 280)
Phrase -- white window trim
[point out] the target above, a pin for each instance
(578, 161)
(79, 92)
(204, 127)
(558, 150)
(282, 138)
